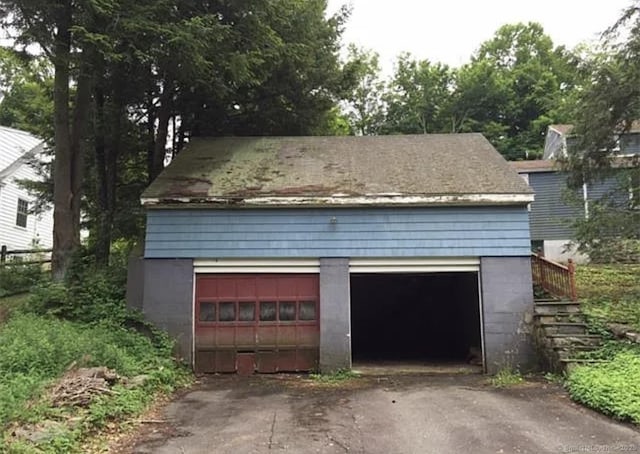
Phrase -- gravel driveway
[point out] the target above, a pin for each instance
(385, 414)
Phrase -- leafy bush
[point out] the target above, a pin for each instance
(612, 388)
(19, 278)
(93, 296)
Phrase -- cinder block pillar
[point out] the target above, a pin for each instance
(507, 303)
(168, 300)
(335, 315)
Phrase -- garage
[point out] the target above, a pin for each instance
(268, 254)
(416, 317)
(256, 323)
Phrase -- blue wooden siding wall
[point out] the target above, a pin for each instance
(346, 232)
(550, 212)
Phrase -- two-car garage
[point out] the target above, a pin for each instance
(297, 253)
(270, 322)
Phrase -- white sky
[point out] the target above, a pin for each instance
(449, 31)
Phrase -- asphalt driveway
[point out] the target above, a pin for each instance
(390, 414)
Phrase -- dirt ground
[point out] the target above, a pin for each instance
(377, 414)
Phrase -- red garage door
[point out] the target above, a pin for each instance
(264, 323)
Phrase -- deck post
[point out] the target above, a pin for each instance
(572, 279)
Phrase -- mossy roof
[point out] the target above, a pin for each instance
(237, 169)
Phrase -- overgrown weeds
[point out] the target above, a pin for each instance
(82, 323)
(335, 378)
(610, 294)
(506, 378)
(16, 278)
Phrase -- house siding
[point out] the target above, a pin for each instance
(355, 232)
(39, 229)
(550, 212)
(630, 143)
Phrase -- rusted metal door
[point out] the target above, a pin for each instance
(264, 323)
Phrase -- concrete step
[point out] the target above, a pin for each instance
(571, 363)
(573, 352)
(562, 317)
(553, 307)
(564, 328)
(574, 340)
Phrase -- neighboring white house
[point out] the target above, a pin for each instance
(19, 228)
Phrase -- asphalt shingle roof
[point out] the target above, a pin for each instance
(237, 169)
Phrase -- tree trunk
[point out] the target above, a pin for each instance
(64, 241)
(103, 225)
(164, 116)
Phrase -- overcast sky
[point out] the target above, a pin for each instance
(449, 31)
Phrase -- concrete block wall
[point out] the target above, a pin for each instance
(507, 302)
(167, 300)
(335, 315)
(166, 296)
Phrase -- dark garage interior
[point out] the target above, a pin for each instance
(427, 317)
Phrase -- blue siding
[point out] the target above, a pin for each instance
(357, 232)
(630, 143)
(551, 212)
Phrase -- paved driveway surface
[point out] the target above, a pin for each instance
(393, 414)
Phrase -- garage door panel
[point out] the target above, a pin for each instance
(266, 288)
(307, 359)
(272, 318)
(306, 337)
(267, 335)
(226, 288)
(267, 362)
(287, 360)
(205, 360)
(245, 336)
(287, 336)
(225, 337)
(225, 361)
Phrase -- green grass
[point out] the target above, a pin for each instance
(610, 294)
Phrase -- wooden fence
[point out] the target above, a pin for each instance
(556, 279)
(12, 257)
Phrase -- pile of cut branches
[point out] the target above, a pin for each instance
(79, 387)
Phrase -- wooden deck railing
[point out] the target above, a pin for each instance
(557, 279)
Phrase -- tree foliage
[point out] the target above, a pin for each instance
(131, 82)
(418, 97)
(365, 104)
(609, 104)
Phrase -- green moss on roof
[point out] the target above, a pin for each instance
(424, 165)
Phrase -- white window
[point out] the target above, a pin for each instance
(23, 212)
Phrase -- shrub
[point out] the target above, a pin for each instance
(612, 388)
(19, 278)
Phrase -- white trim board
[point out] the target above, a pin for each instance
(256, 266)
(356, 265)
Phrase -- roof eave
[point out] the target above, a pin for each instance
(341, 201)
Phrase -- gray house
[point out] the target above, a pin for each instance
(556, 206)
(303, 253)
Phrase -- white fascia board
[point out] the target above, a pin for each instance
(256, 266)
(415, 265)
(363, 200)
